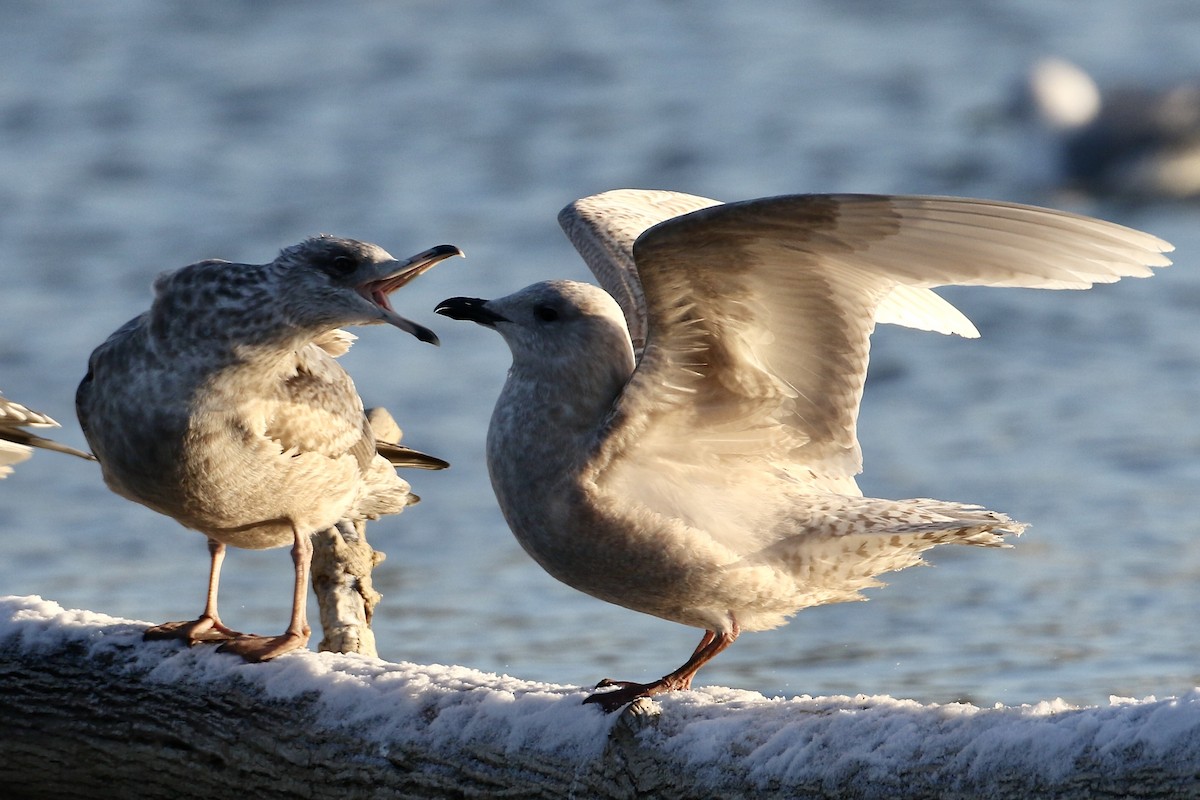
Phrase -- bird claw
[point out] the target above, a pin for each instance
(607, 683)
(624, 693)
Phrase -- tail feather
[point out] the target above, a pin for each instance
(16, 441)
(866, 537)
(387, 443)
(24, 438)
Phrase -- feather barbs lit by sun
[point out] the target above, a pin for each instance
(705, 472)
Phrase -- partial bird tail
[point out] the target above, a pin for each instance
(27, 439)
(16, 440)
(387, 443)
(844, 542)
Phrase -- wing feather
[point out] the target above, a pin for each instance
(759, 313)
(603, 229)
(318, 410)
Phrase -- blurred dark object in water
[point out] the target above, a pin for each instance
(1135, 143)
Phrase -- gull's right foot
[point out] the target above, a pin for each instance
(625, 692)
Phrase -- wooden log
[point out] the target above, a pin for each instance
(90, 710)
(342, 563)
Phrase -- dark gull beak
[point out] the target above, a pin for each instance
(473, 309)
(391, 275)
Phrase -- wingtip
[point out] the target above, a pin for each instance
(426, 335)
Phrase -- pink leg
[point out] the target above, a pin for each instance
(208, 628)
(263, 648)
(710, 645)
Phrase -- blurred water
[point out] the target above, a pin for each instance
(143, 135)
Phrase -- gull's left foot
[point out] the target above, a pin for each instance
(204, 629)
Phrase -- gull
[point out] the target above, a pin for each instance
(17, 443)
(223, 407)
(690, 451)
(1132, 141)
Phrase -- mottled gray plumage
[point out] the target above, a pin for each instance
(223, 407)
(17, 441)
(705, 475)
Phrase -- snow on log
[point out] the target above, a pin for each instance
(89, 710)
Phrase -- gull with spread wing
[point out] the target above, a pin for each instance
(223, 407)
(689, 448)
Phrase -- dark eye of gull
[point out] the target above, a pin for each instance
(546, 313)
(344, 265)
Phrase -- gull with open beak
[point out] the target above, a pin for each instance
(223, 407)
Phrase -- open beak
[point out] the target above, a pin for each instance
(399, 273)
(473, 309)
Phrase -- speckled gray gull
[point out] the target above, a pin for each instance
(703, 470)
(17, 441)
(223, 407)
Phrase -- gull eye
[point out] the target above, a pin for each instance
(344, 265)
(546, 313)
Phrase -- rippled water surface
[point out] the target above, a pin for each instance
(141, 136)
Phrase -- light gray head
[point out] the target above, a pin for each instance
(321, 283)
(553, 321)
(347, 282)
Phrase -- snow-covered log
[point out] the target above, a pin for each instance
(89, 710)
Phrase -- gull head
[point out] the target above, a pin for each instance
(330, 282)
(552, 321)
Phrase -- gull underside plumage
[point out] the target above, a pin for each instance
(688, 449)
(224, 408)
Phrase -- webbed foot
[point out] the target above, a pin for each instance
(263, 648)
(625, 692)
(204, 629)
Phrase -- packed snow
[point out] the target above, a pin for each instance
(772, 741)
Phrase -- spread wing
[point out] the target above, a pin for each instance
(603, 228)
(759, 315)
